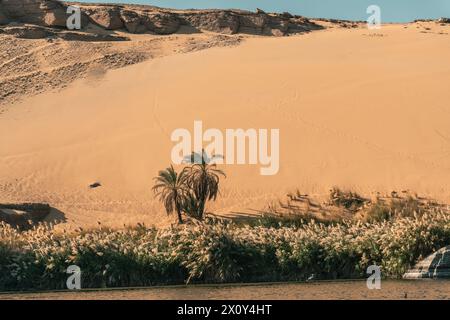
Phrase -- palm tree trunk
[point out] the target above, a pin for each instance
(180, 219)
(201, 209)
(203, 194)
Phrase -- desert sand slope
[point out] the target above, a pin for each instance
(358, 109)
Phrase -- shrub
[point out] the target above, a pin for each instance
(347, 199)
(396, 208)
(377, 212)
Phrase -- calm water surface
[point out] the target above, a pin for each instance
(402, 289)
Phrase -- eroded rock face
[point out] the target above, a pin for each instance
(41, 12)
(231, 22)
(141, 19)
(106, 17)
(131, 21)
(55, 18)
(155, 22)
(161, 22)
(3, 18)
(253, 23)
(278, 26)
(225, 22)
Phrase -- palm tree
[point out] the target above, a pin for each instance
(203, 178)
(170, 188)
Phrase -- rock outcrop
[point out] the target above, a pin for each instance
(3, 18)
(106, 17)
(23, 216)
(216, 21)
(238, 21)
(141, 19)
(41, 12)
(161, 22)
(132, 21)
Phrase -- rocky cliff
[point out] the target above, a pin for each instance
(39, 12)
(143, 19)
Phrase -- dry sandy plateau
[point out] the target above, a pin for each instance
(366, 110)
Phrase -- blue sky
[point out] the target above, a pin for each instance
(391, 10)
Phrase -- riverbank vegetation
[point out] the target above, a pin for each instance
(219, 251)
(295, 240)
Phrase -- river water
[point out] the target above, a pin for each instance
(390, 289)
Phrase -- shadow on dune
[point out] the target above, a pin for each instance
(25, 31)
(55, 216)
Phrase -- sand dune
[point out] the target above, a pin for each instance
(33, 66)
(366, 110)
